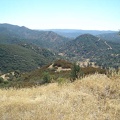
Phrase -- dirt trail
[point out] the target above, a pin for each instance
(110, 48)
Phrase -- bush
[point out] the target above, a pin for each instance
(1, 80)
(6, 82)
(75, 72)
(46, 77)
(62, 63)
(17, 73)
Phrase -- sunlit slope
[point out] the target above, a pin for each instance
(93, 97)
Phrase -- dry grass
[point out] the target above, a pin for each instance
(95, 97)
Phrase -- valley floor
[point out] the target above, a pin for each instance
(95, 97)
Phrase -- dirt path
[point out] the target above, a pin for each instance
(110, 48)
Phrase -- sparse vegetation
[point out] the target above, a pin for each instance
(62, 81)
(93, 97)
(49, 74)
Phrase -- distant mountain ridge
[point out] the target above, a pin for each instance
(45, 39)
(73, 33)
(23, 49)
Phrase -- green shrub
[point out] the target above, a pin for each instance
(6, 82)
(46, 77)
(1, 80)
(62, 63)
(75, 72)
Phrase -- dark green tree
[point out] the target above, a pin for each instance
(46, 77)
(1, 80)
(75, 72)
(17, 73)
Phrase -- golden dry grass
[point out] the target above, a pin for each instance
(95, 97)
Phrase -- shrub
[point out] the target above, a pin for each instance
(1, 80)
(62, 63)
(17, 73)
(6, 82)
(46, 77)
(75, 72)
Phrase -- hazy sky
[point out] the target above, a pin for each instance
(69, 14)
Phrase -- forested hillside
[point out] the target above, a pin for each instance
(16, 34)
(31, 43)
(113, 37)
(87, 46)
(15, 57)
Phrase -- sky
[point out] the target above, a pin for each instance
(62, 14)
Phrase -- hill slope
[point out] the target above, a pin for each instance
(26, 58)
(114, 37)
(87, 46)
(93, 97)
(46, 39)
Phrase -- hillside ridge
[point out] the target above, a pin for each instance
(98, 50)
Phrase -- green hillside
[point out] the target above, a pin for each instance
(14, 57)
(30, 54)
(57, 71)
(87, 46)
(113, 37)
(16, 34)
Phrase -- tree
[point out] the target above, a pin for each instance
(17, 73)
(46, 77)
(75, 72)
(1, 80)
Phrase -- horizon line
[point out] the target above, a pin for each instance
(59, 28)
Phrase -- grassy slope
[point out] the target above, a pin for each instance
(95, 97)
